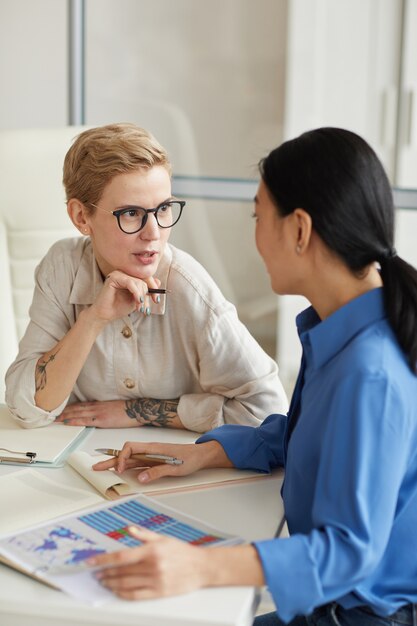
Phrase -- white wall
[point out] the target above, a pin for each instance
(343, 69)
(33, 63)
(221, 62)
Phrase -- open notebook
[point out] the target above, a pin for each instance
(113, 486)
(50, 443)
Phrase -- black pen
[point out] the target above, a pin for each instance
(155, 458)
(159, 291)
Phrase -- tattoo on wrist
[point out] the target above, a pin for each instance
(40, 372)
(150, 412)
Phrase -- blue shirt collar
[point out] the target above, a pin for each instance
(329, 336)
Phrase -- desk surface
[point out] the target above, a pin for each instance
(250, 509)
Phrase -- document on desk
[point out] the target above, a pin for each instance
(29, 497)
(49, 443)
(55, 552)
(113, 486)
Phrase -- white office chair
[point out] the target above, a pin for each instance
(32, 216)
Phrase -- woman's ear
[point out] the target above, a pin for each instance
(78, 216)
(304, 227)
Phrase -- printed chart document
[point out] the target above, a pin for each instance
(112, 485)
(50, 443)
(55, 552)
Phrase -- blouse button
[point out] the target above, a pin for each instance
(126, 332)
(129, 383)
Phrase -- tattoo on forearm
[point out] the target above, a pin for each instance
(150, 412)
(40, 372)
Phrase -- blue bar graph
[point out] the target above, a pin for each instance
(113, 523)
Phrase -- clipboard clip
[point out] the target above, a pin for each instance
(28, 457)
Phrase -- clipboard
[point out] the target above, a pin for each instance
(47, 446)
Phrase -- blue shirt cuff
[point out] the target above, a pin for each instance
(247, 447)
(287, 566)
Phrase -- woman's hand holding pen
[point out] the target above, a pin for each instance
(122, 294)
(193, 456)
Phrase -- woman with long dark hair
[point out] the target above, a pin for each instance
(325, 230)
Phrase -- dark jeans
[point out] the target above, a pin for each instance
(334, 615)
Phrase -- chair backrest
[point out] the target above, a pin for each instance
(32, 216)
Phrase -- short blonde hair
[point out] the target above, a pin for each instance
(99, 154)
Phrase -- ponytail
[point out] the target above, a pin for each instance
(400, 295)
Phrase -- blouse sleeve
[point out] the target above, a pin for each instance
(239, 380)
(260, 448)
(49, 322)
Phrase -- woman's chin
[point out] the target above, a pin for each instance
(142, 273)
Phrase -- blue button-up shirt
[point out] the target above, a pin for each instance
(349, 447)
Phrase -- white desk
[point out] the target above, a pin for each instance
(249, 509)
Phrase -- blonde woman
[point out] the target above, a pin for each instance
(101, 349)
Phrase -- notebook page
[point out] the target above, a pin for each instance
(28, 497)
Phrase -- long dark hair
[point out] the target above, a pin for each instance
(336, 177)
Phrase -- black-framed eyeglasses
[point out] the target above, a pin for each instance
(131, 219)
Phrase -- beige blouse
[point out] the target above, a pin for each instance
(191, 347)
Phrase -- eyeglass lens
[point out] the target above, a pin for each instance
(133, 219)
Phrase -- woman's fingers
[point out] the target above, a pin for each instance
(101, 414)
(79, 414)
(112, 463)
(122, 294)
(76, 410)
(160, 566)
(135, 291)
(143, 534)
(114, 561)
(179, 451)
(154, 283)
(151, 474)
(104, 465)
(189, 454)
(135, 286)
(144, 593)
